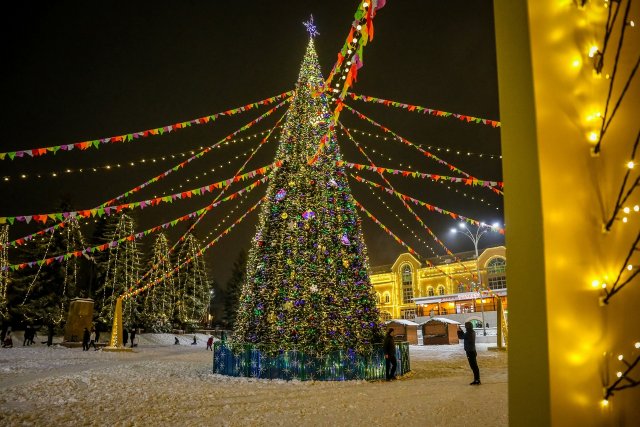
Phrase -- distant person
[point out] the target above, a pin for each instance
(27, 336)
(85, 340)
(195, 340)
(97, 335)
(210, 343)
(92, 340)
(469, 338)
(176, 342)
(390, 361)
(133, 336)
(32, 335)
(8, 341)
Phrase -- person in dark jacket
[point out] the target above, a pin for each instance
(390, 361)
(85, 339)
(133, 336)
(125, 337)
(469, 338)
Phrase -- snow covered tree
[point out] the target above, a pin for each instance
(307, 282)
(192, 285)
(158, 305)
(234, 287)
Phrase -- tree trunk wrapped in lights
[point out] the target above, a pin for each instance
(307, 283)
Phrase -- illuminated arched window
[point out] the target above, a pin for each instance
(496, 273)
(407, 284)
(387, 298)
(378, 299)
(440, 290)
(430, 291)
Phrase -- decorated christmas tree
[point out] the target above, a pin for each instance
(307, 284)
(158, 306)
(193, 285)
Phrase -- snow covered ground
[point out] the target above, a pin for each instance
(165, 384)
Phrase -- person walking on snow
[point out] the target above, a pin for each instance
(92, 340)
(210, 343)
(85, 340)
(469, 338)
(390, 360)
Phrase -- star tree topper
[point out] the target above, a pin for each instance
(311, 27)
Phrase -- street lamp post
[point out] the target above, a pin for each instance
(481, 229)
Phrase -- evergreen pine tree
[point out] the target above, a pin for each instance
(234, 287)
(40, 295)
(119, 271)
(193, 285)
(307, 274)
(158, 304)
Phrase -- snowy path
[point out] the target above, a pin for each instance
(173, 385)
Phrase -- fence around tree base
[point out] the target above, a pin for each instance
(249, 361)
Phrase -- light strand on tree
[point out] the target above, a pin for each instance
(624, 193)
(4, 271)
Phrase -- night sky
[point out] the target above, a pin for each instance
(75, 71)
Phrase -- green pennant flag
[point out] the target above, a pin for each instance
(12, 154)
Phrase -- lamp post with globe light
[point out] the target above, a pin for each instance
(481, 230)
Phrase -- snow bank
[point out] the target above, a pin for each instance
(165, 384)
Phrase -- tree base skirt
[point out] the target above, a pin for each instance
(249, 361)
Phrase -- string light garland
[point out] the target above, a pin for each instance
(96, 143)
(598, 64)
(624, 193)
(624, 380)
(111, 210)
(407, 142)
(430, 147)
(621, 281)
(122, 165)
(168, 171)
(423, 110)
(134, 236)
(402, 200)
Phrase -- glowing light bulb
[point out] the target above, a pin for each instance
(626, 210)
(618, 374)
(629, 267)
(604, 402)
(620, 357)
(637, 345)
(625, 219)
(630, 165)
(365, 5)
(595, 283)
(604, 286)
(575, 63)
(593, 137)
(636, 208)
(632, 24)
(592, 51)
(359, 27)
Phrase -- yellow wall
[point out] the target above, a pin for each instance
(557, 197)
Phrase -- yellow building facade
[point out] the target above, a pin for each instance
(442, 286)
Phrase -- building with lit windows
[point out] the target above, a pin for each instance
(443, 286)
